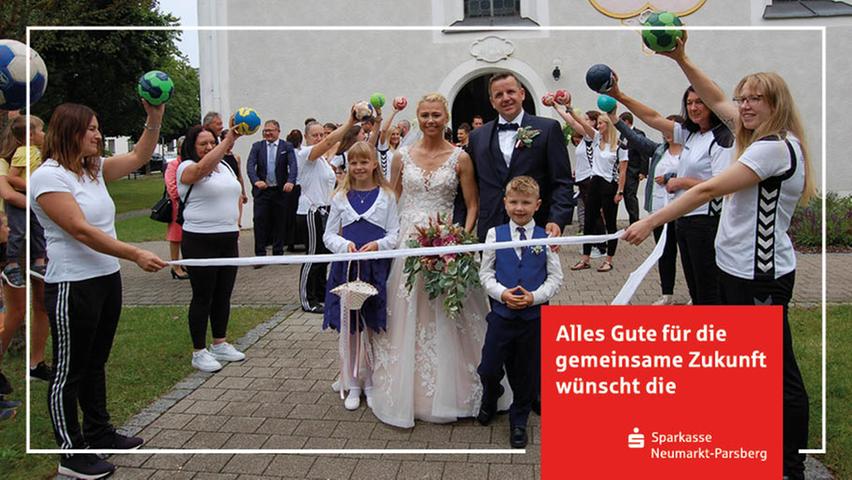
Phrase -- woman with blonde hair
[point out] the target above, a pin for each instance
(606, 185)
(771, 174)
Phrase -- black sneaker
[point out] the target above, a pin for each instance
(86, 466)
(8, 404)
(5, 386)
(38, 271)
(8, 413)
(13, 276)
(116, 441)
(42, 371)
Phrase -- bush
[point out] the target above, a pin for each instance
(805, 226)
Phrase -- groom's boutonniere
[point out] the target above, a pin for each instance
(525, 136)
(537, 249)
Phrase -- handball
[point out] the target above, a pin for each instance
(377, 100)
(547, 99)
(246, 121)
(363, 111)
(599, 78)
(664, 40)
(13, 75)
(606, 103)
(399, 103)
(561, 97)
(155, 87)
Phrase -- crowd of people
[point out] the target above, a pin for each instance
(366, 184)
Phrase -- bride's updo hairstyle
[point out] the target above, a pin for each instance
(436, 98)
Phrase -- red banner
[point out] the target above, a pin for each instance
(661, 392)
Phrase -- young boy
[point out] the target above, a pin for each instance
(518, 281)
(13, 273)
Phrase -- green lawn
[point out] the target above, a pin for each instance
(805, 325)
(136, 193)
(140, 229)
(151, 353)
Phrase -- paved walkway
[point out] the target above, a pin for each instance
(280, 397)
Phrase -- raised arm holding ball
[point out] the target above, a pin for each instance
(770, 174)
(83, 295)
(707, 145)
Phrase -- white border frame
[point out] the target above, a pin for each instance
(29, 450)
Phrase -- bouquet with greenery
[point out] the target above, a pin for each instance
(450, 274)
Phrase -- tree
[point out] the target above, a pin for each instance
(100, 68)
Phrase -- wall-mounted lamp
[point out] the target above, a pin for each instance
(556, 72)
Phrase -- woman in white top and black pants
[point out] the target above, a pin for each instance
(770, 176)
(606, 186)
(211, 194)
(82, 282)
(706, 152)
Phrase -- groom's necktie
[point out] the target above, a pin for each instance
(522, 232)
(507, 126)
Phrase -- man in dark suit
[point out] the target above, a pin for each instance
(272, 169)
(499, 155)
(498, 158)
(637, 170)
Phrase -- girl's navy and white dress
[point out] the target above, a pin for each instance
(361, 217)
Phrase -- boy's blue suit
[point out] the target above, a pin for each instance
(513, 335)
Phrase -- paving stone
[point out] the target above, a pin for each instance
(332, 468)
(242, 424)
(129, 460)
(208, 440)
(239, 408)
(167, 462)
(172, 420)
(285, 442)
(172, 475)
(292, 465)
(372, 469)
(466, 471)
(478, 434)
(207, 463)
(421, 470)
(308, 411)
(252, 464)
(278, 426)
(325, 443)
(127, 473)
(353, 430)
(272, 410)
(170, 439)
(214, 476)
(205, 407)
(510, 472)
(205, 394)
(246, 441)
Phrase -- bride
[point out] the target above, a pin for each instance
(425, 363)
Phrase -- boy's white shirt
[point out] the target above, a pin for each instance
(488, 276)
(382, 213)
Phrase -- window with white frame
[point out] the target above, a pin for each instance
(493, 13)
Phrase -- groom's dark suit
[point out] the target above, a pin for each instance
(546, 160)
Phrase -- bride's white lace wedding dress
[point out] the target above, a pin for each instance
(424, 365)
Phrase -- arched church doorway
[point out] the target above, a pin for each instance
(472, 99)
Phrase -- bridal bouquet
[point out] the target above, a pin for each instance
(450, 274)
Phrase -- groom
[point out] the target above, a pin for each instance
(499, 155)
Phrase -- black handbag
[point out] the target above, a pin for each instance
(162, 210)
(182, 205)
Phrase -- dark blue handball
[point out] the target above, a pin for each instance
(599, 78)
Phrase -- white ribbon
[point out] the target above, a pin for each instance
(622, 298)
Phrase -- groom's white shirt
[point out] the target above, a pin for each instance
(507, 138)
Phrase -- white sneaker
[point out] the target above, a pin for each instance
(664, 300)
(368, 392)
(204, 361)
(353, 400)
(335, 387)
(596, 253)
(225, 352)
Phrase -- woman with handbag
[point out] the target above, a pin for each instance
(363, 218)
(209, 192)
(174, 234)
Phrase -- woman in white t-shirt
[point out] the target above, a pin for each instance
(606, 183)
(706, 152)
(317, 178)
(82, 281)
(770, 176)
(210, 192)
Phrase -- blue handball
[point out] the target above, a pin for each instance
(599, 78)
(606, 103)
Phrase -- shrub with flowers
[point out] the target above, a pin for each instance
(449, 274)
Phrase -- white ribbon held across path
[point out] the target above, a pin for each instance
(622, 298)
